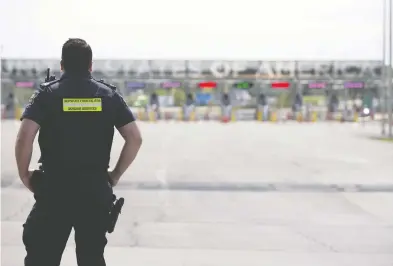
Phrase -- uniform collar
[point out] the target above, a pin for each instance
(86, 74)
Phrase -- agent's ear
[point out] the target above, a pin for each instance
(61, 65)
(91, 66)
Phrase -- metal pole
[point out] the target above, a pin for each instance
(382, 96)
(389, 91)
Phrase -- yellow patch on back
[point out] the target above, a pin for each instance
(82, 105)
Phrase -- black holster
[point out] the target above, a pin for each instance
(37, 181)
(116, 207)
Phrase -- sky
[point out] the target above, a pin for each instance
(190, 29)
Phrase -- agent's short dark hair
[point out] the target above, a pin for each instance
(76, 56)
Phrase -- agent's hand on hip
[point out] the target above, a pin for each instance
(113, 177)
(26, 179)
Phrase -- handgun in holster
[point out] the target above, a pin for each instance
(116, 206)
(36, 180)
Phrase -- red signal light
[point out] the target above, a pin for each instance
(207, 85)
(280, 85)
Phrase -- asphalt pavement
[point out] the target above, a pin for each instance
(241, 194)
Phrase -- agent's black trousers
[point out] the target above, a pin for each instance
(48, 227)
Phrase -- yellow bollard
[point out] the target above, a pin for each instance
(273, 117)
(180, 118)
(192, 116)
(299, 117)
(233, 115)
(355, 117)
(259, 116)
(18, 113)
(140, 115)
(152, 117)
(314, 116)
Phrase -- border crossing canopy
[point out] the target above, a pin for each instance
(210, 69)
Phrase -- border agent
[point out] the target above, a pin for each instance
(76, 116)
(226, 107)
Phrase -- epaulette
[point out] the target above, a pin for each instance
(113, 87)
(46, 85)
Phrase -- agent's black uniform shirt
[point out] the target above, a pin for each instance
(77, 140)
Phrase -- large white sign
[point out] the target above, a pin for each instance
(194, 69)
